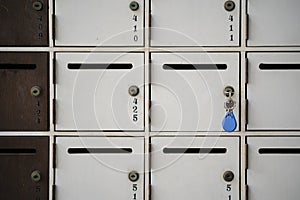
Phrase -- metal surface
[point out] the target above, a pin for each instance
(194, 23)
(273, 23)
(22, 110)
(179, 171)
(99, 172)
(273, 175)
(95, 96)
(19, 158)
(272, 91)
(190, 98)
(24, 23)
(99, 23)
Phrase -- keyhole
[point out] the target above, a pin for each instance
(133, 176)
(229, 5)
(228, 91)
(134, 6)
(37, 5)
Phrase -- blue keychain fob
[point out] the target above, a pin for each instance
(229, 122)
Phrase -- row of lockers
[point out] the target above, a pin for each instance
(181, 168)
(173, 23)
(105, 91)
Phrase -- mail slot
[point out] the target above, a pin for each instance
(273, 23)
(99, 23)
(99, 91)
(273, 168)
(24, 168)
(189, 168)
(271, 74)
(24, 23)
(24, 91)
(99, 168)
(195, 23)
(187, 90)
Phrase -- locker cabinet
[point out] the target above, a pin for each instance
(273, 168)
(273, 23)
(99, 23)
(24, 168)
(187, 90)
(94, 91)
(272, 91)
(194, 168)
(99, 168)
(195, 23)
(24, 23)
(24, 91)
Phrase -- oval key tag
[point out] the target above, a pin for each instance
(229, 122)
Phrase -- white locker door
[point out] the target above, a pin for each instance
(195, 23)
(273, 168)
(194, 168)
(93, 91)
(187, 90)
(99, 23)
(273, 22)
(273, 91)
(96, 168)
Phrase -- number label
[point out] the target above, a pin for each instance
(134, 189)
(135, 110)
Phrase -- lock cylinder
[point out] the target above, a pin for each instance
(133, 176)
(228, 176)
(36, 176)
(228, 91)
(37, 5)
(134, 6)
(229, 5)
(35, 91)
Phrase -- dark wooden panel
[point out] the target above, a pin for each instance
(22, 25)
(19, 109)
(16, 168)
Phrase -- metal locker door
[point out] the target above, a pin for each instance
(273, 168)
(99, 23)
(24, 23)
(187, 90)
(24, 168)
(273, 22)
(93, 168)
(195, 23)
(24, 91)
(100, 91)
(194, 168)
(270, 74)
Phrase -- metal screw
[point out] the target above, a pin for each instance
(134, 6)
(228, 176)
(35, 91)
(229, 5)
(36, 176)
(228, 91)
(133, 176)
(133, 90)
(37, 5)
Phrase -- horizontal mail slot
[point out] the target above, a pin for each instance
(279, 150)
(99, 150)
(287, 66)
(17, 151)
(99, 66)
(194, 66)
(18, 66)
(195, 150)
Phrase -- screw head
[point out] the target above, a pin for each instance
(229, 5)
(133, 90)
(133, 176)
(37, 5)
(228, 176)
(36, 176)
(134, 6)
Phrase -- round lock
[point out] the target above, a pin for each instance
(36, 176)
(228, 91)
(229, 5)
(37, 5)
(133, 90)
(134, 6)
(133, 176)
(35, 91)
(228, 176)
